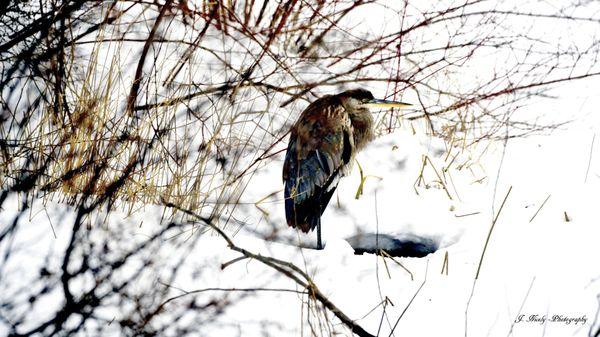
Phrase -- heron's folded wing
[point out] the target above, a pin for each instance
(320, 145)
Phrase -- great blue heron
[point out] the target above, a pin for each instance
(322, 146)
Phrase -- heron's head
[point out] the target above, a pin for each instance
(363, 100)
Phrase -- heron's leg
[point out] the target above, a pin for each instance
(319, 244)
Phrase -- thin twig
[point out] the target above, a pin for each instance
(522, 305)
(487, 240)
(587, 171)
(229, 263)
(463, 215)
(386, 254)
(539, 209)
(445, 264)
(411, 300)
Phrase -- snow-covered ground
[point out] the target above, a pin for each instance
(536, 262)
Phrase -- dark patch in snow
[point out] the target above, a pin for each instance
(401, 164)
(405, 245)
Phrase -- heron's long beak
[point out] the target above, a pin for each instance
(382, 103)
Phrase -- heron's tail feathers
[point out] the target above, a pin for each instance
(301, 217)
(306, 214)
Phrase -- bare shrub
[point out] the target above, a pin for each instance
(126, 103)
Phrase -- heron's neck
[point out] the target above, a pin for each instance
(362, 122)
